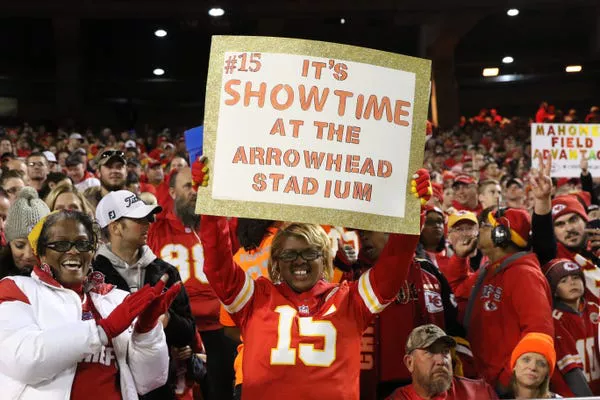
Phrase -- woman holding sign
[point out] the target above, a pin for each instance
(302, 333)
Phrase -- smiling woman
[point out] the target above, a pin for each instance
(67, 334)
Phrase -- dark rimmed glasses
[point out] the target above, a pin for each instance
(62, 246)
(306, 254)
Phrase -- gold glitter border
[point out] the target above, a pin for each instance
(351, 219)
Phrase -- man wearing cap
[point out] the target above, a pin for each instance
(134, 166)
(37, 170)
(52, 161)
(112, 171)
(514, 193)
(76, 170)
(507, 298)
(75, 142)
(430, 364)
(128, 263)
(559, 230)
(465, 194)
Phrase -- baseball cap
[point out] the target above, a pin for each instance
(134, 161)
(130, 144)
(76, 136)
(122, 203)
(462, 215)
(425, 335)
(73, 160)
(49, 156)
(464, 179)
(109, 155)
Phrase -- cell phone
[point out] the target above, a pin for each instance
(593, 224)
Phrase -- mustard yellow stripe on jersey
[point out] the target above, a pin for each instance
(243, 296)
(368, 295)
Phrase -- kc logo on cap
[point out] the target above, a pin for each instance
(558, 208)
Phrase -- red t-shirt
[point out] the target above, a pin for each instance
(97, 373)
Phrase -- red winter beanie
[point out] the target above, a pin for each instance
(517, 220)
(558, 268)
(567, 204)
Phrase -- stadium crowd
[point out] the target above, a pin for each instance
(496, 298)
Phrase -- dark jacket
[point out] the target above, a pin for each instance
(7, 264)
(180, 330)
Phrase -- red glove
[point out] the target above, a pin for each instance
(200, 172)
(421, 185)
(121, 317)
(149, 317)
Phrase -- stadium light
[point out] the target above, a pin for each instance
(158, 71)
(508, 60)
(491, 71)
(573, 68)
(160, 33)
(216, 12)
(513, 12)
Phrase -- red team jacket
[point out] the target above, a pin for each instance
(510, 303)
(179, 246)
(461, 389)
(576, 345)
(302, 345)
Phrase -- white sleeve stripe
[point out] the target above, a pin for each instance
(567, 360)
(367, 294)
(242, 298)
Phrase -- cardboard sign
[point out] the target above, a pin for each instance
(308, 131)
(567, 144)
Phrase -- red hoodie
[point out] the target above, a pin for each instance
(511, 302)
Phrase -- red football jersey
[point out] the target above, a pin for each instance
(181, 247)
(576, 344)
(302, 345)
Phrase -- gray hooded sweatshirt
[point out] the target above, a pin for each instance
(133, 274)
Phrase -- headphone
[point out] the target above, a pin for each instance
(501, 235)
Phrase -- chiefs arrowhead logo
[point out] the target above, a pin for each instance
(558, 208)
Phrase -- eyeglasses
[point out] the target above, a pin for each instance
(306, 254)
(112, 153)
(36, 164)
(62, 246)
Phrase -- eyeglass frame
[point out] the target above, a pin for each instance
(51, 245)
(319, 253)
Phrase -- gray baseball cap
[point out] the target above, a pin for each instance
(425, 335)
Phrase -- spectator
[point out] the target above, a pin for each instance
(75, 142)
(532, 362)
(576, 327)
(429, 361)
(5, 158)
(490, 193)
(81, 178)
(129, 264)
(177, 163)
(99, 352)
(508, 298)
(155, 173)
(514, 194)
(465, 194)
(592, 117)
(4, 206)
(37, 170)
(52, 180)
(132, 183)
(6, 147)
(112, 171)
(176, 240)
(432, 237)
(18, 165)
(66, 197)
(12, 182)
(18, 258)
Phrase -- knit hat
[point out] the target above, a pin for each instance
(558, 268)
(567, 204)
(24, 213)
(535, 342)
(517, 220)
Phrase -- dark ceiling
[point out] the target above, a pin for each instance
(117, 50)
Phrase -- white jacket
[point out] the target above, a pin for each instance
(42, 342)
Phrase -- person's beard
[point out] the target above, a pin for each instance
(113, 188)
(186, 212)
(578, 247)
(433, 386)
